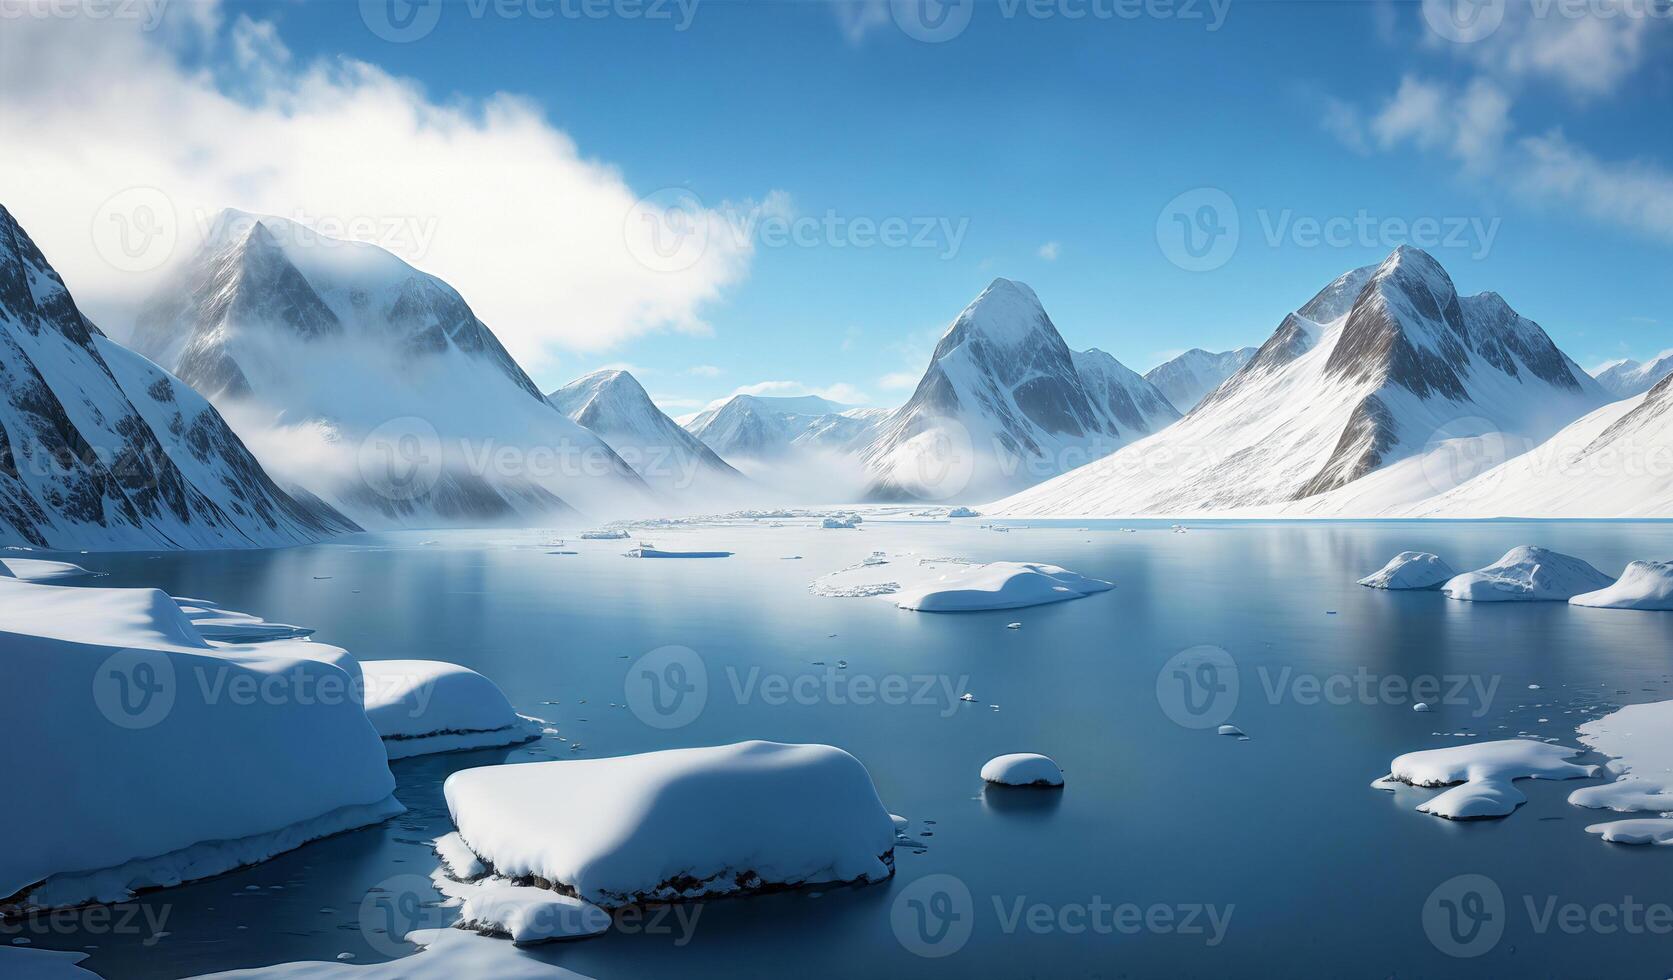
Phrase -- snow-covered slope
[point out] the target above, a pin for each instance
(1626, 378)
(1614, 462)
(1370, 398)
(101, 449)
(370, 382)
(1005, 403)
(614, 406)
(1193, 375)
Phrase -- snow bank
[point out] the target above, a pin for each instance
(528, 915)
(1410, 570)
(677, 824)
(1529, 574)
(41, 570)
(228, 626)
(1639, 740)
(954, 585)
(1481, 775)
(190, 757)
(1644, 585)
(1022, 769)
(448, 954)
(1645, 830)
(425, 706)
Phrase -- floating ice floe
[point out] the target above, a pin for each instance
(446, 954)
(1643, 585)
(614, 534)
(1527, 574)
(962, 512)
(41, 570)
(191, 757)
(1410, 570)
(1639, 740)
(214, 622)
(1232, 730)
(677, 824)
(648, 552)
(1022, 769)
(952, 585)
(25, 963)
(1421, 706)
(425, 706)
(840, 523)
(1481, 775)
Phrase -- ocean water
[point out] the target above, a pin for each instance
(1172, 851)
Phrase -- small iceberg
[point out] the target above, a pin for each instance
(528, 915)
(1527, 574)
(1022, 769)
(1481, 775)
(1410, 570)
(614, 534)
(649, 552)
(423, 706)
(840, 523)
(677, 824)
(1644, 830)
(962, 512)
(954, 585)
(1644, 585)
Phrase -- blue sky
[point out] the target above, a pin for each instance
(1047, 148)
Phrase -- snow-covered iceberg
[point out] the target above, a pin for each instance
(1527, 573)
(1481, 775)
(1639, 740)
(677, 824)
(424, 706)
(527, 915)
(1022, 769)
(1643, 585)
(190, 757)
(1410, 570)
(954, 585)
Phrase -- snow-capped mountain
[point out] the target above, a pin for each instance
(1004, 404)
(761, 427)
(371, 383)
(1190, 377)
(1615, 462)
(1358, 404)
(101, 449)
(1625, 378)
(614, 406)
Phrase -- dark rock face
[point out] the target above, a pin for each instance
(83, 463)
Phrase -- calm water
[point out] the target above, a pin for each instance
(1318, 872)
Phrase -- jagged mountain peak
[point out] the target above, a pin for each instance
(613, 405)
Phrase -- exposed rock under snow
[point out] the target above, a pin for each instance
(1022, 769)
(1481, 775)
(267, 745)
(678, 824)
(954, 585)
(1410, 570)
(1527, 573)
(425, 706)
(1644, 585)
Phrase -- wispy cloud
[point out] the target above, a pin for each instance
(1049, 251)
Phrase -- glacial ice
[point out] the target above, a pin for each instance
(425, 706)
(1410, 570)
(1022, 769)
(1527, 573)
(1481, 774)
(1643, 585)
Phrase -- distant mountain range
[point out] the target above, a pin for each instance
(1193, 375)
(1359, 403)
(614, 406)
(101, 449)
(1625, 378)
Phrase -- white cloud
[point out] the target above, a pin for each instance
(704, 371)
(1589, 55)
(842, 391)
(898, 381)
(1049, 251)
(535, 235)
(858, 18)
(1637, 195)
